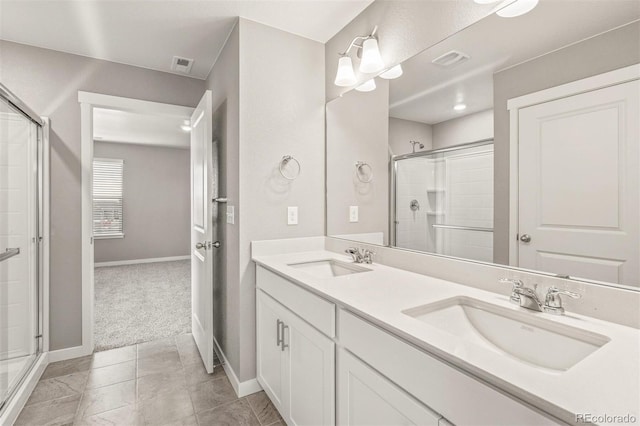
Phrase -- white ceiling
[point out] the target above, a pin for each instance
(428, 92)
(141, 129)
(148, 33)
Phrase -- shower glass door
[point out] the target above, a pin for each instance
(19, 229)
(444, 201)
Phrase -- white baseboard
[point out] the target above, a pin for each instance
(16, 404)
(136, 261)
(241, 388)
(69, 353)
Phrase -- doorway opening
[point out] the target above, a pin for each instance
(141, 214)
(136, 218)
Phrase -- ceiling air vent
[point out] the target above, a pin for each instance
(450, 58)
(182, 65)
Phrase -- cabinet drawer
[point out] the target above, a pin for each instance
(313, 309)
(455, 395)
(365, 397)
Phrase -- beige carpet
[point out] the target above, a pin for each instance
(143, 302)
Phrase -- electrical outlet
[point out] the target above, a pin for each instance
(292, 215)
(353, 213)
(231, 215)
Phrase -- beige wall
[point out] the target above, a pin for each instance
(606, 52)
(224, 82)
(48, 82)
(470, 128)
(405, 28)
(358, 130)
(268, 94)
(156, 203)
(402, 131)
(281, 113)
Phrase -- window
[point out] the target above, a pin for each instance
(107, 198)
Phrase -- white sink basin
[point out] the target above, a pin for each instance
(523, 335)
(328, 268)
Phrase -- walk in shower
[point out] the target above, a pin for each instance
(442, 201)
(21, 197)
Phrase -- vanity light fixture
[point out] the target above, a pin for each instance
(392, 73)
(517, 8)
(345, 76)
(367, 86)
(459, 107)
(512, 8)
(370, 60)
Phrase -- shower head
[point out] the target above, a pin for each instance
(414, 143)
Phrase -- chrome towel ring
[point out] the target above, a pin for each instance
(364, 171)
(283, 163)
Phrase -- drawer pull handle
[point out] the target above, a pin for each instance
(279, 339)
(284, 345)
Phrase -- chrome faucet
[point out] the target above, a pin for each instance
(523, 296)
(366, 256)
(528, 298)
(553, 303)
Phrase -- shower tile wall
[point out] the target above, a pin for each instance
(469, 202)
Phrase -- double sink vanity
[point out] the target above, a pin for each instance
(356, 343)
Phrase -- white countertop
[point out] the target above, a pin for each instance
(605, 382)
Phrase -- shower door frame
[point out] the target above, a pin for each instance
(23, 389)
(393, 170)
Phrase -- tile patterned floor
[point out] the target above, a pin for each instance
(162, 382)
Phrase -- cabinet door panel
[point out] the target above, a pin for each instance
(270, 356)
(367, 398)
(311, 374)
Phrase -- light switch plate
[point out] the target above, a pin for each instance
(353, 213)
(292, 215)
(231, 215)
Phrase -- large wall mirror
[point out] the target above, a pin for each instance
(492, 146)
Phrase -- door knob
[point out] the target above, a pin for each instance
(201, 246)
(525, 238)
(216, 244)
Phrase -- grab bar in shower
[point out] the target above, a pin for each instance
(10, 252)
(463, 228)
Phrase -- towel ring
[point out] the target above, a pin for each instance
(363, 176)
(285, 160)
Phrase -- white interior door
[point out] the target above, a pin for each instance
(201, 230)
(578, 185)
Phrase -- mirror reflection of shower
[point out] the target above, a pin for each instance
(443, 201)
(413, 145)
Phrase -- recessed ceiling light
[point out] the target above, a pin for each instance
(517, 8)
(512, 8)
(459, 107)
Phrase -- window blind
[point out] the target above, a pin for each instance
(107, 198)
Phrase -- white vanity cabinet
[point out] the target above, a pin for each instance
(456, 396)
(295, 361)
(358, 374)
(366, 397)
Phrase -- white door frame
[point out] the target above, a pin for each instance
(88, 101)
(611, 78)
